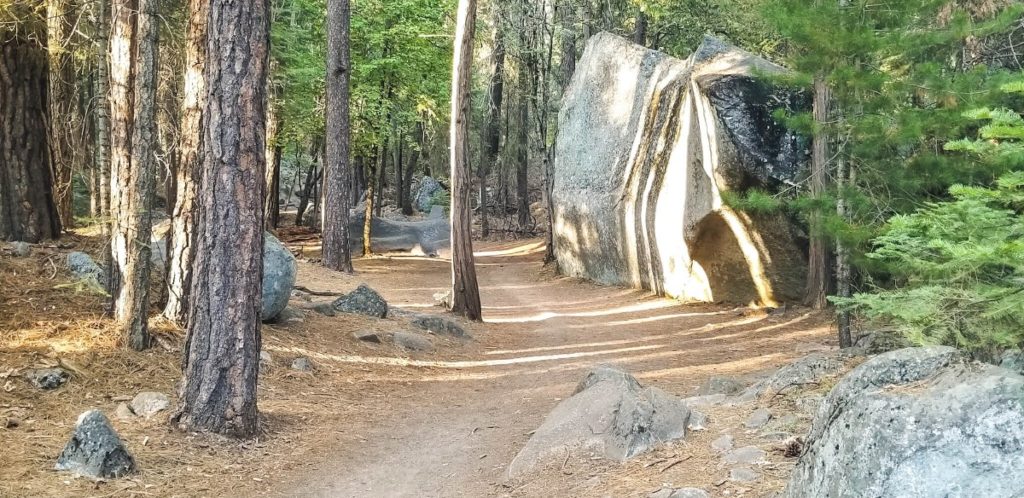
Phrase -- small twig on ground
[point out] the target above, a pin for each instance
(317, 293)
(676, 462)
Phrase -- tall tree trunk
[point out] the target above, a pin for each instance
(272, 204)
(379, 181)
(222, 346)
(465, 291)
(133, 141)
(60, 16)
(546, 151)
(568, 55)
(399, 142)
(816, 290)
(182, 238)
(522, 160)
(371, 180)
(843, 274)
(337, 254)
(312, 177)
(27, 208)
(414, 157)
(492, 132)
(102, 160)
(640, 29)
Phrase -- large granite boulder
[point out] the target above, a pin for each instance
(430, 237)
(279, 272)
(916, 422)
(95, 450)
(647, 145)
(428, 187)
(610, 415)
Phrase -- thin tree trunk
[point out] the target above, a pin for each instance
(182, 237)
(379, 181)
(492, 132)
(368, 211)
(817, 258)
(102, 16)
(640, 29)
(465, 291)
(312, 176)
(843, 277)
(27, 208)
(414, 157)
(60, 16)
(337, 254)
(522, 161)
(399, 175)
(272, 204)
(568, 55)
(222, 346)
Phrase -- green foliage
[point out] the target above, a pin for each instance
(753, 201)
(958, 266)
(441, 198)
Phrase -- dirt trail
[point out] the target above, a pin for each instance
(453, 430)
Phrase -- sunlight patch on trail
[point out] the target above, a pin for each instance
(385, 360)
(547, 315)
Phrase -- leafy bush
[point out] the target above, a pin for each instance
(441, 198)
(958, 266)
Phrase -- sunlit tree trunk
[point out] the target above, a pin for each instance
(465, 292)
(27, 208)
(818, 268)
(272, 204)
(133, 57)
(221, 352)
(190, 168)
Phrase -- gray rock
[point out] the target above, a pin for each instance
(603, 176)
(440, 326)
(123, 412)
(428, 187)
(880, 341)
(288, 316)
(95, 450)
(362, 301)
(326, 309)
(743, 474)
(1012, 360)
(279, 271)
(266, 359)
(47, 378)
(371, 336)
(84, 268)
(808, 405)
(302, 364)
(776, 436)
(679, 493)
(722, 444)
(698, 421)
(443, 299)
(705, 401)
(916, 422)
(746, 455)
(758, 419)
(718, 384)
(148, 404)
(427, 237)
(21, 249)
(412, 342)
(611, 416)
(808, 370)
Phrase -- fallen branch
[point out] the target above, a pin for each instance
(317, 293)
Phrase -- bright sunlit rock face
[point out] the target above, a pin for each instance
(647, 145)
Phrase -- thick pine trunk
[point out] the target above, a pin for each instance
(27, 208)
(189, 170)
(816, 290)
(221, 353)
(465, 291)
(133, 143)
(337, 169)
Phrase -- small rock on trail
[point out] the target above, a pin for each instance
(758, 419)
(302, 364)
(47, 378)
(84, 268)
(440, 326)
(95, 450)
(148, 404)
(362, 301)
(412, 342)
(21, 249)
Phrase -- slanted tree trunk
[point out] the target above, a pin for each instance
(465, 292)
(60, 16)
(337, 169)
(133, 144)
(816, 290)
(414, 157)
(492, 132)
(27, 208)
(312, 177)
(182, 237)
(222, 346)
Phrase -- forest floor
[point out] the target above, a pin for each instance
(373, 420)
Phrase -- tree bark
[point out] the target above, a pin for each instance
(465, 291)
(522, 162)
(492, 132)
(414, 157)
(816, 290)
(182, 238)
(133, 142)
(337, 169)
(312, 177)
(102, 158)
(843, 274)
(272, 204)
(368, 211)
(221, 353)
(640, 29)
(568, 56)
(60, 15)
(28, 211)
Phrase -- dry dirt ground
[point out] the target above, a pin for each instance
(373, 420)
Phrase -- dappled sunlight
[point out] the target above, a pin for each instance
(521, 250)
(649, 319)
(547, 315)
